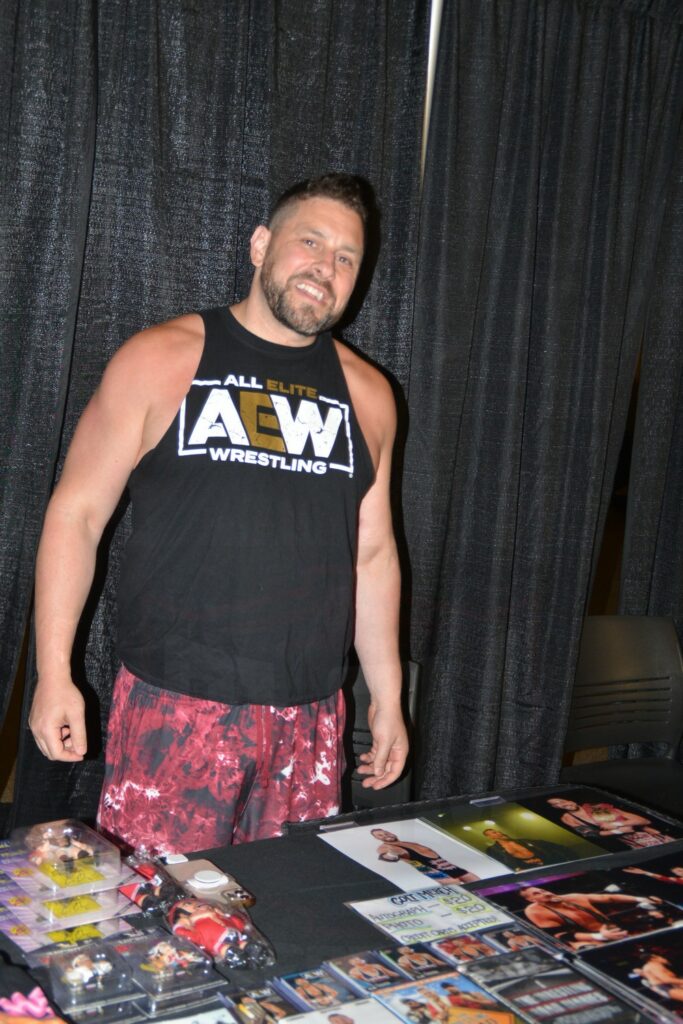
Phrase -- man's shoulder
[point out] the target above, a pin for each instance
(366, 382)
(180, 333)
(160, 352)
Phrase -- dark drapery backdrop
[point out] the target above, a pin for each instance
(551, 155)
(652, 566)
(145, 143)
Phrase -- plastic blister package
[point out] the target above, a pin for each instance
(89, 975)
(64, 856)
(168, 970)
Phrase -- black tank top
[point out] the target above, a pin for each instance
(238, 579)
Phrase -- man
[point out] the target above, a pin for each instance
(420, 857)
(522, 854)
(605, 819)
(658, 975)
(257, 454)
(586, 919)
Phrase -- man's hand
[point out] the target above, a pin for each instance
(57, 721)
(385, 760)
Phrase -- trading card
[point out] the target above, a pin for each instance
(538, 986)
(314, 990)
(361, 1011)
(514, 938)
(90, 975)
(452, 997)
(365, 972)
(460, 949)
(264, 1005)
(416, 961)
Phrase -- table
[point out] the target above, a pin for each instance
(301, 885)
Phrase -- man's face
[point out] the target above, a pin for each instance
(309, 266)
(494, 833)
(384, 836)
(535, 895)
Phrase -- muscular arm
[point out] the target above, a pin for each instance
(116, 428)
(378, 585)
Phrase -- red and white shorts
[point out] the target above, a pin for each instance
(184, 774)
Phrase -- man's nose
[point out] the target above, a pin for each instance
(325, 265)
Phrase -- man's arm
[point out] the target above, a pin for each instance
(116, 428)
(378, 586)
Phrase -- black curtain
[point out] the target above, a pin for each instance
(652, 565)
(551, 157)
(145, 141)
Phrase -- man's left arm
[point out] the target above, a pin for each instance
(378, 590)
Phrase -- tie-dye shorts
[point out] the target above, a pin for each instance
(184, 774)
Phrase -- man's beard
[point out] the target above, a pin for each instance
(305, 319)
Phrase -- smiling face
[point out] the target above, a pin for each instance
(383, 835)
(308, 262)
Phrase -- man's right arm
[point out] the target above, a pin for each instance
(106, 445)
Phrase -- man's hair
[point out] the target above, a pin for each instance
(348, 189)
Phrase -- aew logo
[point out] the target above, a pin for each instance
(272, 425)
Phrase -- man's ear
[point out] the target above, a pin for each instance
(258, 246)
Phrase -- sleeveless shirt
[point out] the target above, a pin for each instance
(237, 582)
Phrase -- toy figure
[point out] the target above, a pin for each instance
(227, 935)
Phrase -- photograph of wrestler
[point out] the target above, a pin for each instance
(363, 1011)
(521, 854)
(586, 910)
(314, 990)
(412, 854)
(460, 949)
(660, 876)
(513, 939)
(446, 1000)
(365, 971)
(424, 859)
(416, 961)
(516, 837)
(261, 1006)
(652, 966)
(604, 819)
